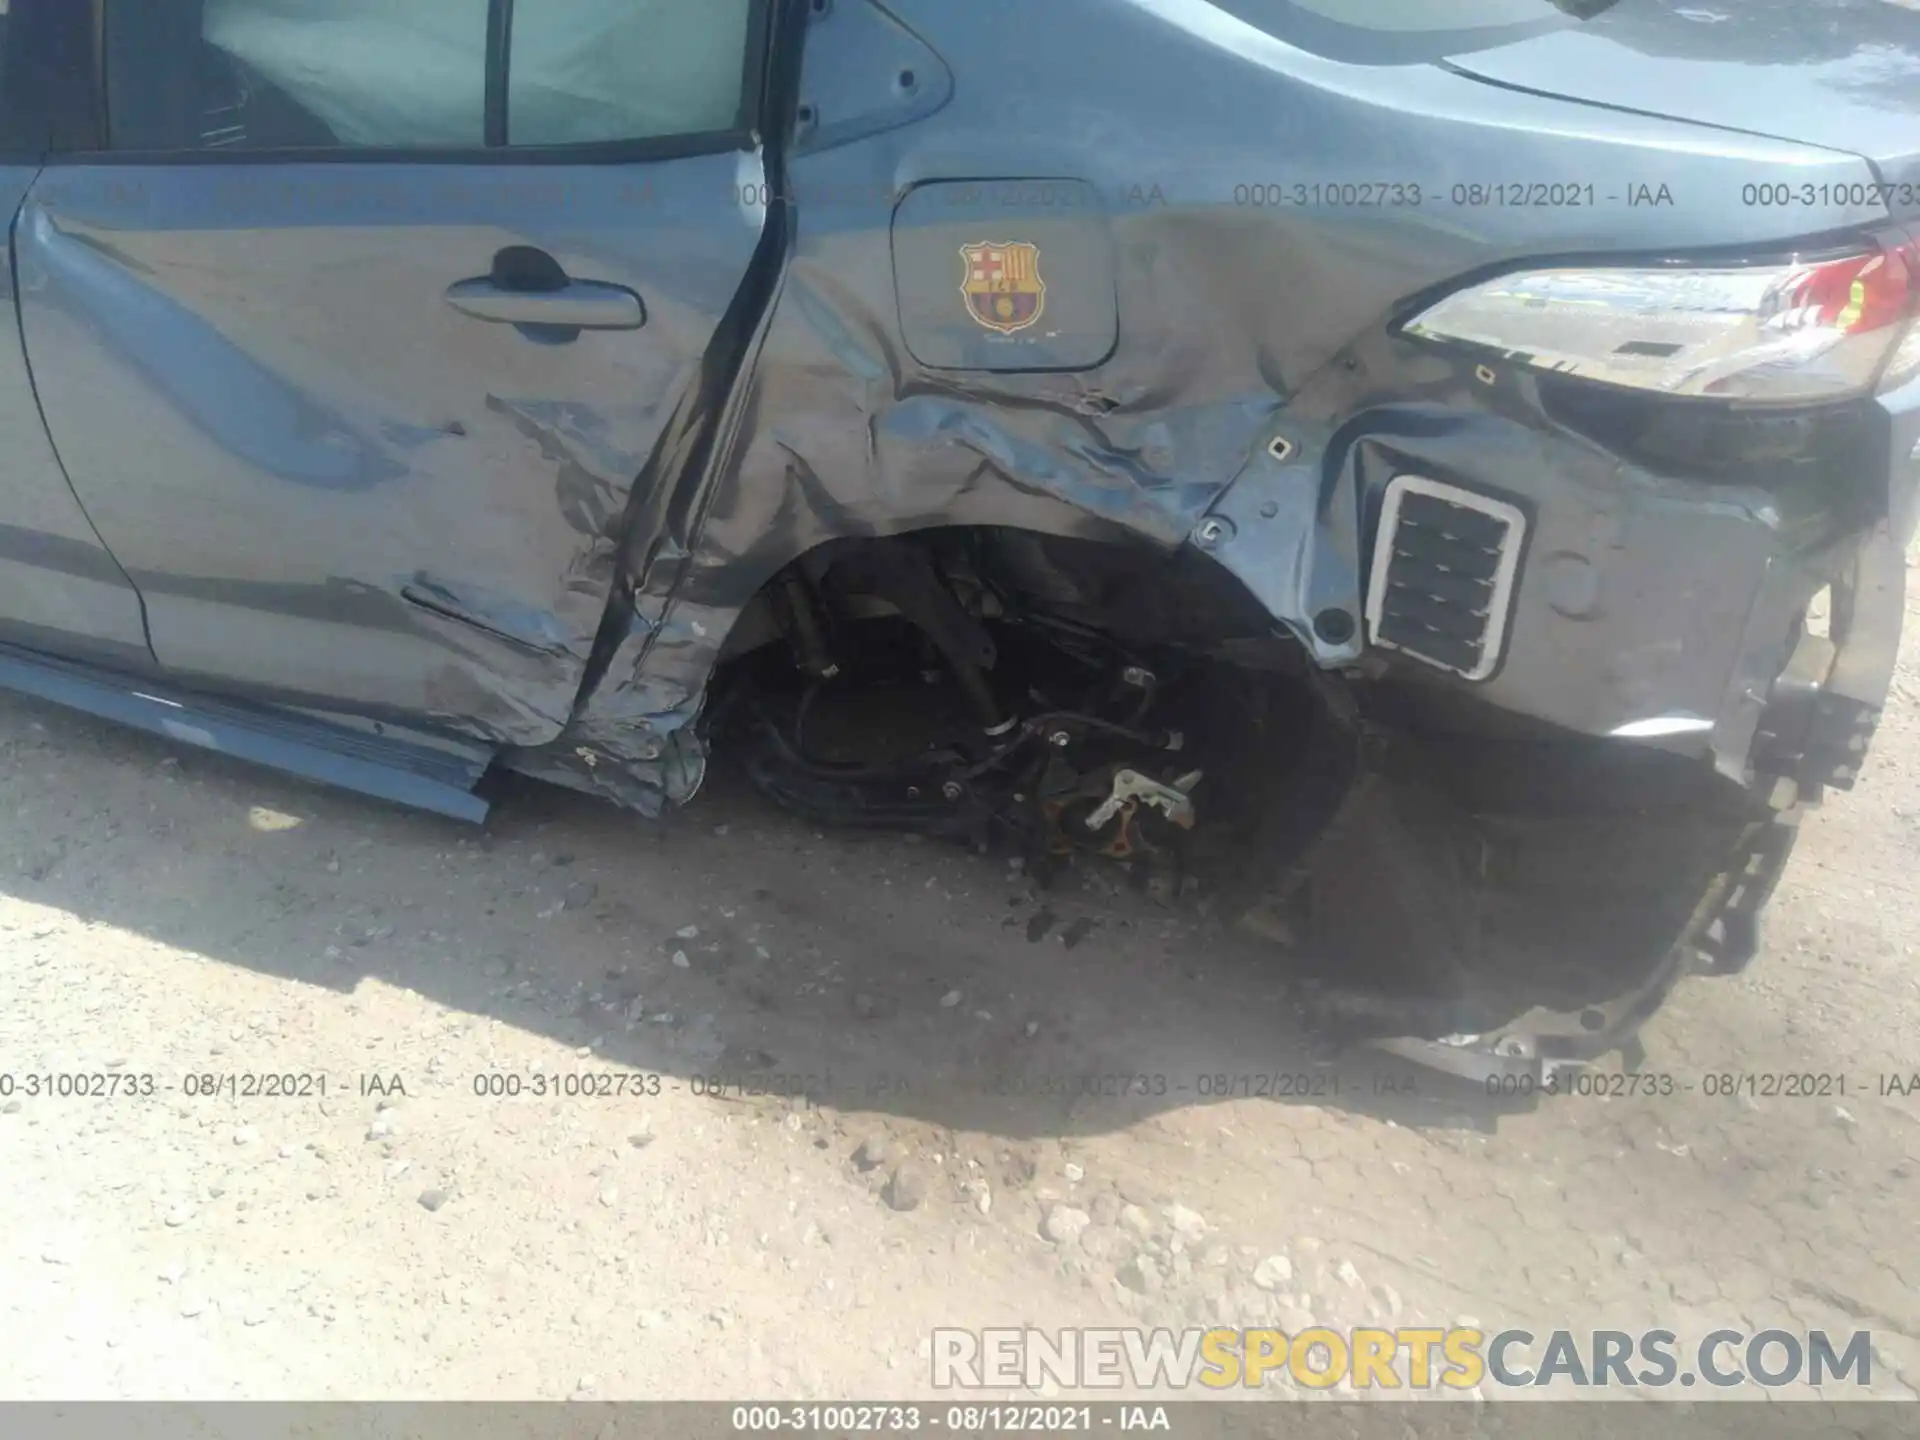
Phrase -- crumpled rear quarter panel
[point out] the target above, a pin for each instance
(1166, 111)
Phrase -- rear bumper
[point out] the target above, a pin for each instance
(1646, 607)
(1647, 611)
(1807, 729)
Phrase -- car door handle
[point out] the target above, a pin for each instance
(576, 305)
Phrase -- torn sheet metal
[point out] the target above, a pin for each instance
(879, 397)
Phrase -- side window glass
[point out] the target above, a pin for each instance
(185, 75)
(287, 74)
(374, 73)
(584, 71)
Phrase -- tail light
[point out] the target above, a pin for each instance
(1796, 331)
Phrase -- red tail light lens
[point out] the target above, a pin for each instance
(1854, 296)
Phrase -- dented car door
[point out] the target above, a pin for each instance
(59, 588)
(360, 324)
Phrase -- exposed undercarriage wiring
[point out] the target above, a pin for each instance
(1432, 873)
(1015, 691)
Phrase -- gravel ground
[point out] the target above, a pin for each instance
(168, 914)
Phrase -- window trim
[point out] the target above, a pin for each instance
(93, 147)
(499, 81)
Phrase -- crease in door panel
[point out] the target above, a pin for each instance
(240, 403)
(437, 599)
(33, 385)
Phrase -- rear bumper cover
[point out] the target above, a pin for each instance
(1648, 610)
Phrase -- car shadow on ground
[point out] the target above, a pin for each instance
(731, 949)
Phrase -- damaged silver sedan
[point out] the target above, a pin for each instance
(1432, 481)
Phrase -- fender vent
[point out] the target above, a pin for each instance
(1444, 564)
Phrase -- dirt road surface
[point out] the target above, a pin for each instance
(964, 1155)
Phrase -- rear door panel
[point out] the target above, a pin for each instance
(331, 486)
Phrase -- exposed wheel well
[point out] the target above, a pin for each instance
(1091, 703)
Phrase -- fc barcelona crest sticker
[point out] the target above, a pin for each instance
(1000, 281)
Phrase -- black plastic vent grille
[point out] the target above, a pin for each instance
(1443, 572)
